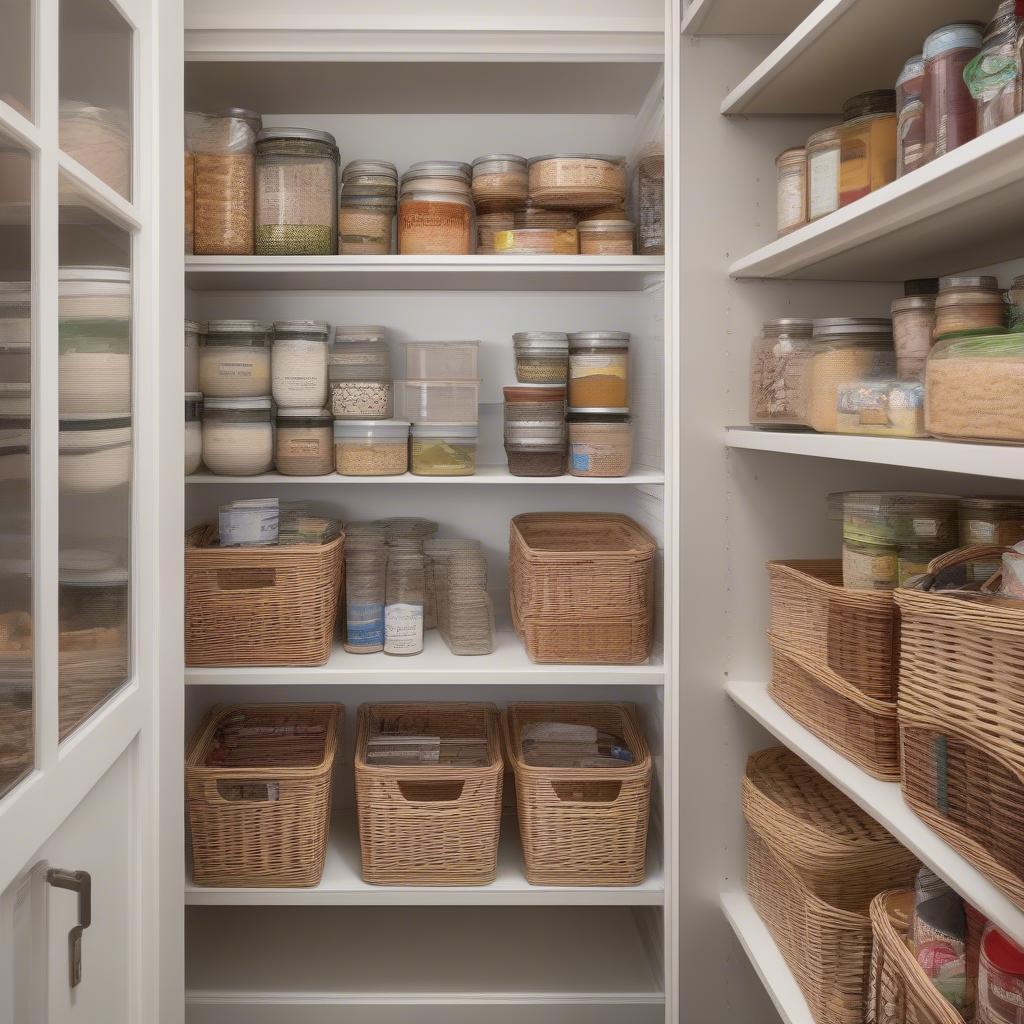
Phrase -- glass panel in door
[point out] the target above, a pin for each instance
(16, 56)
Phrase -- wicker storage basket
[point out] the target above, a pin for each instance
(435, 824)
(864, 730)
(621, 641)
(814, 862)
(581, 826)
(260, 606)
(961, 713)
(258, 788)
(854, 633)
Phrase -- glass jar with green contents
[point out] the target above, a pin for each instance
(443, 449)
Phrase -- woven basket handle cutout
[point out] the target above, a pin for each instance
(418, 791)
(246, 579)
(597, 791)
(248, 791)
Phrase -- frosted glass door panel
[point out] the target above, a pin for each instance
(16, 56)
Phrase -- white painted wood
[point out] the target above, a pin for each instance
(484, 476)
(739, 17)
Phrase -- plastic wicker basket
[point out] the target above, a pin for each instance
(431, 824)
(961, 713)
(260, 606)
(621, 641)
(258, 788)
(581, 826)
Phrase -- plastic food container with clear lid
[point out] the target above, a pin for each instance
(432, 223)
(440, 360)
(950, 116)
(296, 193)
(534, 403)
(969, 304)
(360, 374)
(304, 442)
(599, 369)
(193, 332)
(443, 449)
(579, 181)
(867, 154)
(500, 181)
(780, 373)
(537, 242)
(299, 363)
(234, 359)
(606, 237)
(600, 444)
(535, 455)
(881, 408)
(95, 453)
(238, 437)
(542, 357)
(193, 431)
(437, 401)
(365, 221)
(371, 447)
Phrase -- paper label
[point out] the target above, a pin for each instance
(403, 628)
(365, 624)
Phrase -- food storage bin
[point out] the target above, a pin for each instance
(534, 404)
(304, 442)
(437, 401)
(950, 117)
(823, 173)
(258, 794)
(780, 374)
(238, 439)
(371, 447)
(867, 146)
(975, 388)
(359, 368)
(95, 453)
(234, 359)
(537, 242)
(193, 431)
(500, 182)
(600, 444)
(791, 190)
(991, 521)
(429, 811)
(972, 305)
(910, 127)
(435, 224)
(578, 181)
(913, 332)
(193, 332)
(443, 449)
(881, 408)
(441, 360)
(599, 370)
(365, 221)
(542, 357)
(606, 237)
(299, 364)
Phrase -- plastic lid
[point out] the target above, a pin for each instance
(371, 428)
(548, 337)
(302, 327)
(241, 112)
(961, 35)
(438, 169)
(619, 337)
(237, 403)
(84, 567)
(445, 430)
(838, 326)
(305, 134)
(575, 410)
(984, 281)
(605, 226)
(610, 158)
(914, 68)
(309, 413)
(493, 157)
(909, 302)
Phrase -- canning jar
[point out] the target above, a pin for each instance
(193, 332)
(360, 374)
(910, 117)
(867, 154)
(234, 359)
(606, 237)
(366, 559)
(542, 357)
(379, 175)
(224, 147)
(991, 521)
(435, 224)
(537, 242)
(304, 442)
(846, 349)
(296, 193)
(299, 364)
(443, 449)
(780, 374)
(969, 305)
(535, 456)
(404, 600)
(487, 227)
(238, 438)
(579, 181)
(371, 447)
(437, 176)
(365, 221)
(950, 114)
(994, 75)
(599, 370)
(531, 216)
(193, 431)
(600, 444)
(791, 189)
(95, 452)
(823, 173)
(650, 201)
(975, 388)
(500, 182)
(913, 331)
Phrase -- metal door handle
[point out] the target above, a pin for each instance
(79, 882)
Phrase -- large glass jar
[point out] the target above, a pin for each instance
(435, 224)
(994, 75)
(779, 374)
(791, 190)
(366, 559)
(650, 201)
(542, 357)
(234, 360)
(299, 364)
(579, 181)
(913, 330)
(296, 193)
(867, 159)
(968, 304)
(365, 221)
(403, 606)
(238, 438)
(823, 173)
(599, 370)
(950, 114)
(500, 182)
(910, 126)
(304, 442)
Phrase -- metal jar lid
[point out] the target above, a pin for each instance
(603, 227)
(597, 410)
(914, 68)
(877, 101)
(237, 332)
(508, 158)
(788, 325)
(961, 35)
(357, 168)
(307, 327)
(983, 282)
(242, 113)
(599, 339)
(439, 169)
(541, 341)
(608, 158)
(839, 326)
(906, 303)
(825, 135)
(301, 134)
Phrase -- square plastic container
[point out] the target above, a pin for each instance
(440, 360)
(437, 401)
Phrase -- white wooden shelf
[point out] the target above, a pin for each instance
(844, 47)
(743, 18)
(450, 273)
(484, 476)
(964, 210)
(342, 883)
(508, 664)
(884, 802)
(1005, 462)
(765, 958)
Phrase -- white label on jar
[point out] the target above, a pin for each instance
(226, 368)
(823, 196)
(403, 628)
(926, 527)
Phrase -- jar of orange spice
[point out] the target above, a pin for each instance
(599, 370)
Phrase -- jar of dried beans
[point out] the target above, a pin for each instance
(303, 442)
(500, 182)
(599, 370)
(234, 360)
(910, 127)
(606, 237)
(435, 224)
(791, 190)
(867, 147)
(779, 373)
(299, 364)
(296, 192)
(542, 357)
(950, 116)
(579, 181)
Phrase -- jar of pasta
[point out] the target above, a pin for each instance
(500, 182)
(950, 117)
(304, 442)
(238, 438)
(435, 224)
(234, 360)
(299, 363)
(867, 155)
(791, 190)
(599, 370)
(780, 374)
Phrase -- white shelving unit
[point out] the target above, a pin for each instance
(484, 476)
(741, 18)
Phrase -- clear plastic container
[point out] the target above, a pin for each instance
(366, 558)
(867, 156)
(881, 408)
(910, 125)
(791, 190)
(437, 401)
(542, 357)
(443, 449)
(487, 227)
(897, 517)
(599, 369)
(371, 447)
(823, 173)
(95, 453)
(299, 364)
(950, 115)
(440, 360)
(365, 222)
(360, 374)
(304, 442)
(500, 182)
(436, 224)
(234, 359)
(606, 237)
(193, 332)
(913, 331)
(238, 436)
(193, 431)
(578, 181)
(537, 242)
(969, 305)
(404, 602)
(600, 444)
(780, 374)
(534, 404)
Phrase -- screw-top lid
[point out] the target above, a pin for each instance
(791, 155)
(310, 416)
(508, 158)
(302, 134)
(304, 327)
(914, 68)
(877, 101)
(357, 168)
(540, 341)
(908, 302)
(961, 35)
(243, 114)
(984, 282)
(838, 326)
(830, 134)
(600, 227)
(796, 326)
(598, 339)
(438, 169)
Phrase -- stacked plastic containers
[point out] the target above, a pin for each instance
(535, 439)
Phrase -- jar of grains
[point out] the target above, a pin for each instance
(443, 449)
(238, 438)
(360, 374)
(910, 127)
(791, 190)
(299, 364)
(780, 374)
(487, 227)
(994, 75)
(600, 444)
(534, 404)
(376, 174)
(296, 192)
(823, 173)
(95, 453)
(650, 201)
(535, 456)
(405, 597)
(950, 117)
(193, 431)
(224, 147)
(969, 305)
(531, 216)
(234, 359)
(500, 182)
(606, 237)
(542, 357)
(435, 224)
(913, 331)
(599, 370)
(371, 447)
(846, 349)
(537, 242)
(579, 181)
(304, 442)
(365, 221)
(193, 332)
(867, 153)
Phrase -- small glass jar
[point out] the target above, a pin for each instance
(296, 193)
(579, 181)
(823, 173)
(950, 114)
(780, 374)
(531, 216)
(606, 237)
(600, 444)
(537, 242)
(443, 449)
(867, 155)
(910, 118)
(791, 190)
(969, 305)
(500, 182)
(994, 75)
(95, 453)
(365, 221)
(379, 175)
(238, 436)
(435, 224)
(913, 331)
(599, 369)
(360, 374)
(487, 227)
(299, 364)
(534, 404)
(371, 447)
(650, 201)
(193, 431)
(193, 332)
(366, 559)
(404, 600)
(234, 359)
(542, 357)
(304, 442)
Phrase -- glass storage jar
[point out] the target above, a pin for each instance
(193, 332)
(299, 364)
(366, 559)
(650, 201)
(823, 173)
(579, 181)
(969, 305)
(994, 75)
(379, 175)
(867, 154)
(443, 449)
(950, 116)
(535, 456)
(913, 331)
(234, 359)
(780, 374)
(600, 444)
(534, 403)
(371, 447)
(487, 227)
(975, 388)
(537, 242)
(606, 237)
(542, 357)
(846, 350)
(304, 442)
(438, 401)
(599, 369)
(791, 190)
(435, 224)
(360, 374)
(500, 182)
(910, 126)
(404, 601)
(296, 193)
(95, 453)
(238, 438)
(365, 221)
(193, 431)
(531, 216)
